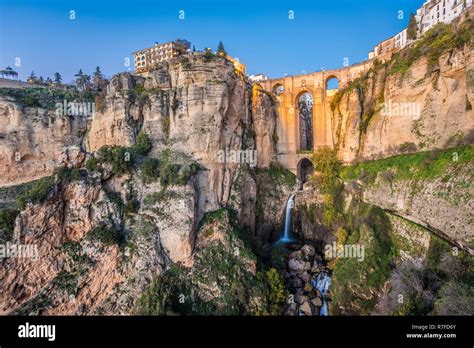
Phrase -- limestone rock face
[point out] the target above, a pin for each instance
(264, 124)
(194, 110)
(33, 141)
(70, 273)
(195, 107)
(421, 110)
(119, 115)
(444, 207)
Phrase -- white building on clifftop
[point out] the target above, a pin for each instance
(439, 11)
(427, 16)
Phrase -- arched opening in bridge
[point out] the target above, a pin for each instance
(332, 84)
(305, 110)
(278, 89)
(304, 170)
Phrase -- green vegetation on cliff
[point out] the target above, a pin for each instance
(438, 40)
(440, 285)
(37, 192)
(7, 223)
(124, 160)
(279, 174)
(45, 97)
(356, 280)
(421, 165)
(222, 281)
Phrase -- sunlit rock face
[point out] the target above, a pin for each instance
(33, 141)
(419, 111)
(194, 111)
(193, 107)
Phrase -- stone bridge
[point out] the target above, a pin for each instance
(288, 90)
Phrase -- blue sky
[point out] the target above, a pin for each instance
(258, 32)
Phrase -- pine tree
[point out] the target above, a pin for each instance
(411, 32)
(220, 48)
(97, 78)
(32, 76)
(57, 78)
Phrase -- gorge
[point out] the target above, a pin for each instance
(136, 211)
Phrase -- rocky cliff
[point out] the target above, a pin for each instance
(162, 151)
(419, 100)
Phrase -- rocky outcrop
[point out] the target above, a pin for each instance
(196, 107)
(103, 234)
(33, 141)
(393, 109)
(442, 205)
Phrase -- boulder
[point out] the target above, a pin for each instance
(308, 287)
(317, 302)
(305, 277)
(300, 299)
(298, 255)
(299, 266)
(305, 309)
(308, 252)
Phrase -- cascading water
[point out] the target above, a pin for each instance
(286, 238)
(322, 283)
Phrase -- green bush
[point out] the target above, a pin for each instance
(119, 157)
(278, 256)
(67, 175)
(7, 221)
(277, 292)
(143, 144)
(209, 56)
(150, 169)
(168, 294)
(92, 164)
(281, 175)
(106, 235)
(37, 193)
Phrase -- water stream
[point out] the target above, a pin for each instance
(286, 238)
(322, 283)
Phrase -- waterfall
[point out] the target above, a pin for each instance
(322, 283)
(286, 238)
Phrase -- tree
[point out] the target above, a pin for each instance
(32, 76)
(194, 48)
(41, 80)
(82, 80)
(49, 81)
(97, 78)
(57, 78)
(185, 43)
(412, 28)
(220, 48)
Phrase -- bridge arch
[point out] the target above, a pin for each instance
(304, 170)
(331, 83)
(304, 105)
(278, 89)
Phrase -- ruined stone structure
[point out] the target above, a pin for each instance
(288, 91)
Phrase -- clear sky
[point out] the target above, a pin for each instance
(259, 32)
